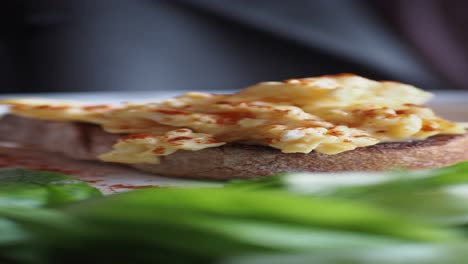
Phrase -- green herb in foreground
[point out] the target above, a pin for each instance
(217, 224)
(28, 188)
(393, 254)
(438, 195)
(254, 221)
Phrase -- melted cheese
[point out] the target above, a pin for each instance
(328, 114)
(142, 148)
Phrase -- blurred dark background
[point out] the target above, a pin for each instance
(102, 45)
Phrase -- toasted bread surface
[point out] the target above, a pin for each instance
(85, 141)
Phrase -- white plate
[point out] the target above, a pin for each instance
(111, 178)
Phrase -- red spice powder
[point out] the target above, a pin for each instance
(402, 112)
(170, 112)
(415, 105)
(229, 118)
(334, 133)
(223, 102)
(52, 107)
(92, 181)
(181, 130)
(428, 127)
(179, 138)
(159, 150)
(136, 136)
(95, 107)
(127, 186)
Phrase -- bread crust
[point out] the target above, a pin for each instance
(85, 141)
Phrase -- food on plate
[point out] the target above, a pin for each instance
(328, 123)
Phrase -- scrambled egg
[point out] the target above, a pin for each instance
(328, 114)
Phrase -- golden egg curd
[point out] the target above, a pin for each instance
(328, 114)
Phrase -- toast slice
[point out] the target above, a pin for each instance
(85, 142)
